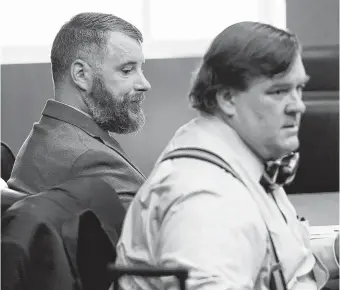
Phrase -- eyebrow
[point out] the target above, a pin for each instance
(302, 81)
(131, 62)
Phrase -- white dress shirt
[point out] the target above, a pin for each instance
(3, 183)
(193, 214)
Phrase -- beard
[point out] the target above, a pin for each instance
(116, 114)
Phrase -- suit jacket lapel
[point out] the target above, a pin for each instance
(113, 144)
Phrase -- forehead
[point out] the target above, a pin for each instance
(124, 49)
(296, 74)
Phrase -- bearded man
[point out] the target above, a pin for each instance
(99, 86)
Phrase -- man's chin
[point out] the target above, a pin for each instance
(137, 128)
(136, 123)
(291, 145)
(132, 128)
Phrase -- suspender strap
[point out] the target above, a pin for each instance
(277, 280)
(200, 154)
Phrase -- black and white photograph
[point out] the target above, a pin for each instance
(169, 145)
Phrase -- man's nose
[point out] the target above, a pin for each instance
(296, 104)
(142, 84)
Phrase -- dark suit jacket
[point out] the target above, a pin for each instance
(62, 238)
(66, 144)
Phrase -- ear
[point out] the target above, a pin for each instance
(82, 74)
(226, 101)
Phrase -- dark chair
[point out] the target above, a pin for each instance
(69, 233)
(95, 251)
(7, 161)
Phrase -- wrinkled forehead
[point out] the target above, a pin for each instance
(124, 49)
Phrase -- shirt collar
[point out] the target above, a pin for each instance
(229, 136)
(74, 108)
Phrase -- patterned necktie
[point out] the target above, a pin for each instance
(280, 172)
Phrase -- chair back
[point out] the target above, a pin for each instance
(7, 161)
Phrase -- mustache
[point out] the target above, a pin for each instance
(138, 97)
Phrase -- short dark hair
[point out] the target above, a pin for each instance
(83, 35)
(239, 54)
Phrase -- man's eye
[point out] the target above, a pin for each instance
(126, 70)
(279, 92)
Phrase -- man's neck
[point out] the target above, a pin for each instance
(75, 109)
(72, 98)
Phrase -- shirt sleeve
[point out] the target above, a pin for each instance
(217, 236)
